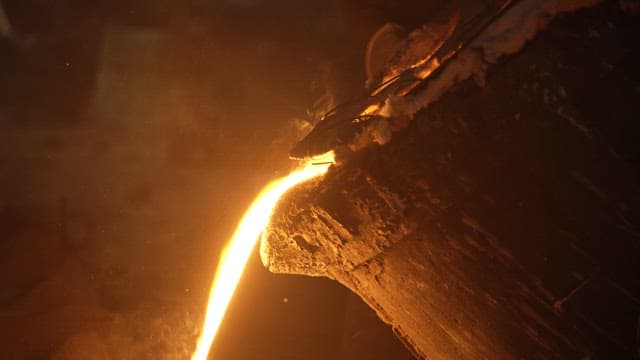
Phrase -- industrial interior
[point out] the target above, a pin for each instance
(307, 180)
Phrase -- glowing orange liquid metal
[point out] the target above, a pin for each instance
(236, 254)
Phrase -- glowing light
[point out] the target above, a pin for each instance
(236, 254)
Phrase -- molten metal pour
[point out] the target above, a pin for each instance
(236, 254)
(339, 126)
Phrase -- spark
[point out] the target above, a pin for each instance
(234, 257)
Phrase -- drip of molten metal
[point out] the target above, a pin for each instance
(236, 254)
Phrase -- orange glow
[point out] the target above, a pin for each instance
(371, 109)
(236, 254)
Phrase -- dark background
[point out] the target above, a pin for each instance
(133, 134)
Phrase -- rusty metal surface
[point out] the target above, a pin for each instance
(505, 221)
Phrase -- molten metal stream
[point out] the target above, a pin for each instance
(236, 254)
